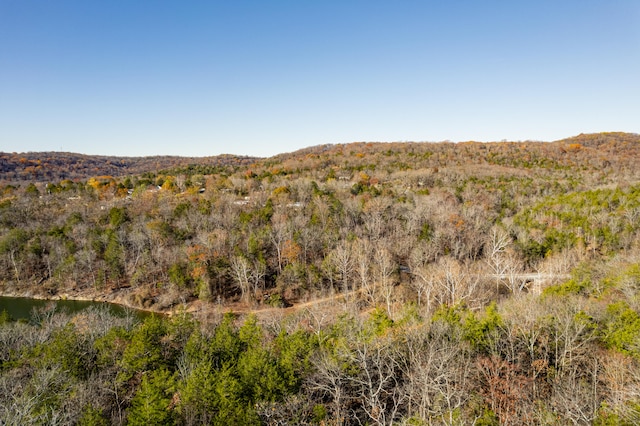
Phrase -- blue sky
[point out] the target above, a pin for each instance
(198, 78)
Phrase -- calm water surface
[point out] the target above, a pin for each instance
(23, 307)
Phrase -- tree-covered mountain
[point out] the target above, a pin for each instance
(391, 283)
(56, 166)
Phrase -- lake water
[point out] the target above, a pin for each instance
(22, 307)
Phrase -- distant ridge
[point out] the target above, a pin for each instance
(51, 166)
(608, 148)
(603, 140)
(592, 140)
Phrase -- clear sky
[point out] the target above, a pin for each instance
(198, 78)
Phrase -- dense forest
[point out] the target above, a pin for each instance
(365, 283)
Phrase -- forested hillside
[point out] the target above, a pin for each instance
(370, 283)
(56, 166)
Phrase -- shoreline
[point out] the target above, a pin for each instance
(114, 298)
(122, 297)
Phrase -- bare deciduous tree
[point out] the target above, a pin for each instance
(385, 270)
(455, 281)
(248, 275)
(330, 380)
(378, 380)
(363, 260)
(341, 257)
(439, 373)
